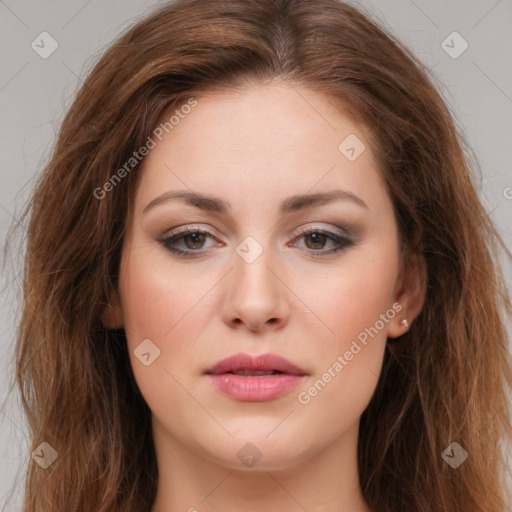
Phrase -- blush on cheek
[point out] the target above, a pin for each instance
(171, 311)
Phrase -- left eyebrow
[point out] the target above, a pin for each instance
(300, 202)
(291, 204)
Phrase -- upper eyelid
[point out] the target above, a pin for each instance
(185, 229)
(190, 228)
(316, 227)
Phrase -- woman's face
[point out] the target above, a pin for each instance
(297, 255)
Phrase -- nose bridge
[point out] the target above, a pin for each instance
(255, 294)
(253, 278)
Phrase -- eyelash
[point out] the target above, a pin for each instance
(344, 242)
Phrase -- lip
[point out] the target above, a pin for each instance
(254, 388)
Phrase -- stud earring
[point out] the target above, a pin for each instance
(404, 322)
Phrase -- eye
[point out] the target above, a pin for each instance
(192, 241)
(316, 238)
(191, 237)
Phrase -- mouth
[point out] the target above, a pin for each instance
(253, 373)
(254, 379)
(251, 366)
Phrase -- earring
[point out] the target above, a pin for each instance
(404, 322)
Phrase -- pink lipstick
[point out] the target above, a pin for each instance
(254, 378)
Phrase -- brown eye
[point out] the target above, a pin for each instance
(191, 242)
(186, 242)
(196, 240)
(317, 240)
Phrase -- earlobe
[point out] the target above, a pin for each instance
(112, 315)
(411, 293)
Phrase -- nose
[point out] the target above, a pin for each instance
(255, 297)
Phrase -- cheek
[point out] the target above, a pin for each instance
(161, 307)
(348, 301)
(166, 308)
(160, 303)
(355, 308)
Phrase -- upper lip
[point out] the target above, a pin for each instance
(264, 362)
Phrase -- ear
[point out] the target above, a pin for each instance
(112, 315)
(411, 289)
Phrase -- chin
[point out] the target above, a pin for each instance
(259, 452)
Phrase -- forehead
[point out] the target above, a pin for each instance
(263, 140)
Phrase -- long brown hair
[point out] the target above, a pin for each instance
(444, 381)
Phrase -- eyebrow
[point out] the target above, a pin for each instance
(291, 204)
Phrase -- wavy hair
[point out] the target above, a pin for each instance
(445, 380)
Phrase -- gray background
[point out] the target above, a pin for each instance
(35, 92)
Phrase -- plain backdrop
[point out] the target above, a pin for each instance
(35, 92)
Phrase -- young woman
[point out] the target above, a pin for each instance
(258, 277)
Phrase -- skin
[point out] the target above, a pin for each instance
(254, 148)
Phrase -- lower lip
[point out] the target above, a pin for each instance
(255, 389)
